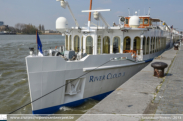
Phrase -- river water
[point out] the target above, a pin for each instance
(14, 90)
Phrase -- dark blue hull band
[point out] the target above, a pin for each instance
(54, 109)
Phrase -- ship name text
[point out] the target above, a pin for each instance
(108, 76)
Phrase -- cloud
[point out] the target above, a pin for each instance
(106, 1)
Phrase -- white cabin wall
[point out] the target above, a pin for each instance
(72, 39)
(84, 44)
(121, 34)
(94, 44)
(69, 42)
(122, 40)
(111, 44)
(80, 40)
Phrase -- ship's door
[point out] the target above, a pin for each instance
(136, 45)
(126, 43)
(76, 43)
(116, 45)
(89, 45)
(106, 45)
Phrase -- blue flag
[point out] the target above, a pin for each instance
(39, 45)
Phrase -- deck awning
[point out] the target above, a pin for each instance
(156, 20)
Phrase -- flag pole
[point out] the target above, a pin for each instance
(36, 43)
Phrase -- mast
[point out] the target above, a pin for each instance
(89, 19)
(36, 44)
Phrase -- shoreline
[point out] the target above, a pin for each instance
(35, 34)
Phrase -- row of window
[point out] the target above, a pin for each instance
(149, 45)
(157, 44)
(89, 44)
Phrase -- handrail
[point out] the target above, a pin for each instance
(132, 52)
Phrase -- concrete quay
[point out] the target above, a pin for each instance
(170, 96)
(144, 93)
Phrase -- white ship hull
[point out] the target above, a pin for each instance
(46, 74)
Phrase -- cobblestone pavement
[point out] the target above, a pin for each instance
(170, 96)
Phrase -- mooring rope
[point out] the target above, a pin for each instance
(56, 89)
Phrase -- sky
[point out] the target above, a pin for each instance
(46, 12)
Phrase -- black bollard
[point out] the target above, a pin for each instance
(159, 68)
(176, 46)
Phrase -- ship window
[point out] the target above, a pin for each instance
(136, 45)
(164, 42)
(82, 44)
(106, 45)
(76, 43)
(156, 44)
(146, 21)
(151, 45)
(89, 45)
(66, 42)
(99, 45)
(160, 43)
(144, 45)
(126, 43)
(141, 21)
(126, 21)
(147, 46)
(70, 43)
(116, 45)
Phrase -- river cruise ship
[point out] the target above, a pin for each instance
(95, 60)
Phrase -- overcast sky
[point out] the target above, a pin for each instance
(47, 11)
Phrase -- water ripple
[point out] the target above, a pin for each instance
(14, 89)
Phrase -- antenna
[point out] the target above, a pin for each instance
(65, 4)
(135, 12)
(149, 11)
(98, 15)
(128, 11)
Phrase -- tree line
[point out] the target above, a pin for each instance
(28, 28)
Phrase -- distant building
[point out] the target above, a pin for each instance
(4, 28)
(49, 31)
(1, 23)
